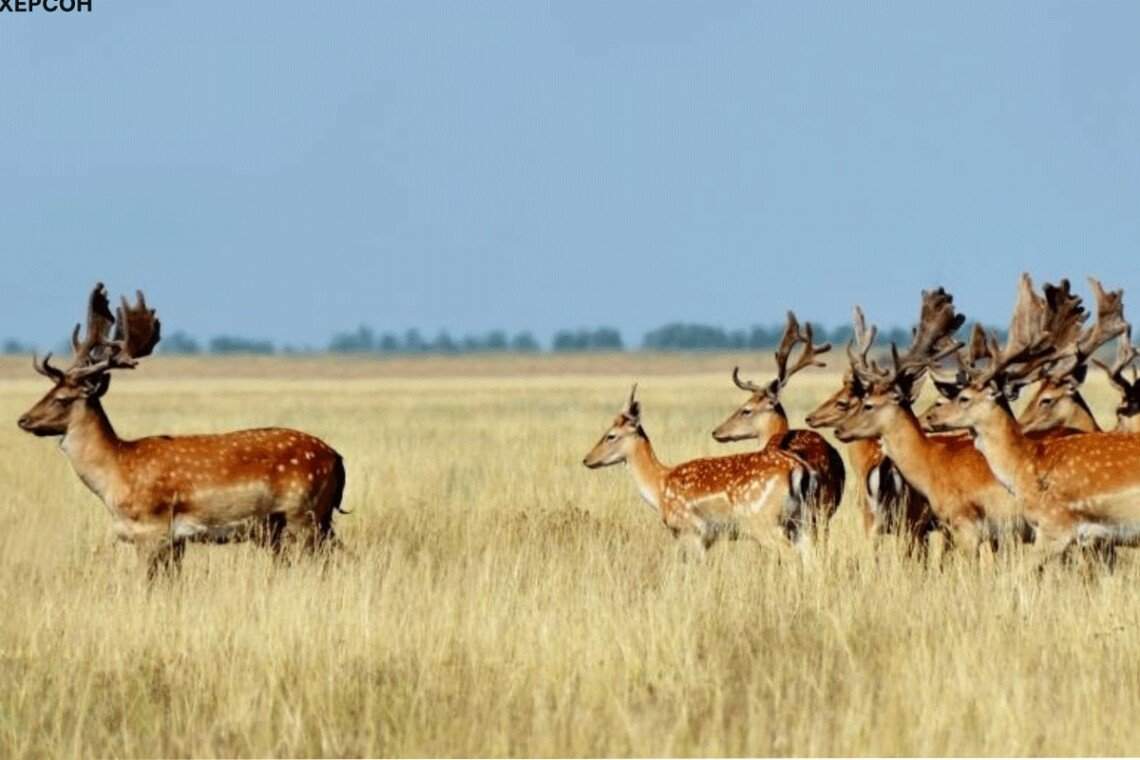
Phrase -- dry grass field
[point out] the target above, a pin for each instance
(497, 598)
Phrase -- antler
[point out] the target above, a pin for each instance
(793, 334)
(788, 341)
(937, 322)
(99, 321)
(975, 349)
(1074, 347)
(1028, 344)
(137, 332)
(46, 369)
(1109, 319)
(933, 341)
(745, 385)
(1125, 354)
(1066, 313)
(808, 356)
(862, 340)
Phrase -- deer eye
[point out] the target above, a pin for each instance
(868, 406)
(963, 400)
(746, 412)
(611, 436)
(1046, 401)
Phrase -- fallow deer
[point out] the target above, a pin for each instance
(968, 501)
(965, 496)
(1058, 402)
(760, 495)
(763, 417)
(1077, 489)
(162, 491)
(1128, 410)
(887, 502)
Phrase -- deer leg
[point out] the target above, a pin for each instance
(163, 558)
(694, 535)
(1052, 543)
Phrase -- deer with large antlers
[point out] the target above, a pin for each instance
(760, 495)
(1076, 489)
(763, 417)
(887, 502)
(1058, 402)
(162, 491)
(967, 499)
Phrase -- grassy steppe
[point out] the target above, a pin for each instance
(496, 598)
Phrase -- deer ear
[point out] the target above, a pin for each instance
(96, 386)
(773, 389)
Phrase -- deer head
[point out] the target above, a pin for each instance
(618, 442)
(1037, 329)
(1058, 401)
(841, 403)
(892, 390)
(761, 416)
(136, 332)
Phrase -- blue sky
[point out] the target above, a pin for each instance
(290, 169)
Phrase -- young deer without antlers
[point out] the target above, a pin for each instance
(163, 490)
(888, 503)
(1058, 402)
(759, 495)
(763, 417)
(1077, 489)
(964, 495)
(1128, 411)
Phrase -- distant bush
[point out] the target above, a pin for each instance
(682, 336)
(362, 341)
(230, 344)
(179, 343)
(599, 339)
(524, 343)
(12, 346)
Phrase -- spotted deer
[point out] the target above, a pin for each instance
(760, 495)
(1058, 402)
(762, 417)
(1079, 489)
(969, 502)
(163, 491)
(889, 505)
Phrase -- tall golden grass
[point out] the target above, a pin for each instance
(496, 598)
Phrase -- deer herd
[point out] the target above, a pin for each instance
(965, 468)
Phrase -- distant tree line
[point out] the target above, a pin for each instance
(675, 336)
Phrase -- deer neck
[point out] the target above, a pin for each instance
(92, 447)
(648, 472)
(864, 454)
(1082, 417)
(1007, 451)
(775, 428)
(905, 442)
